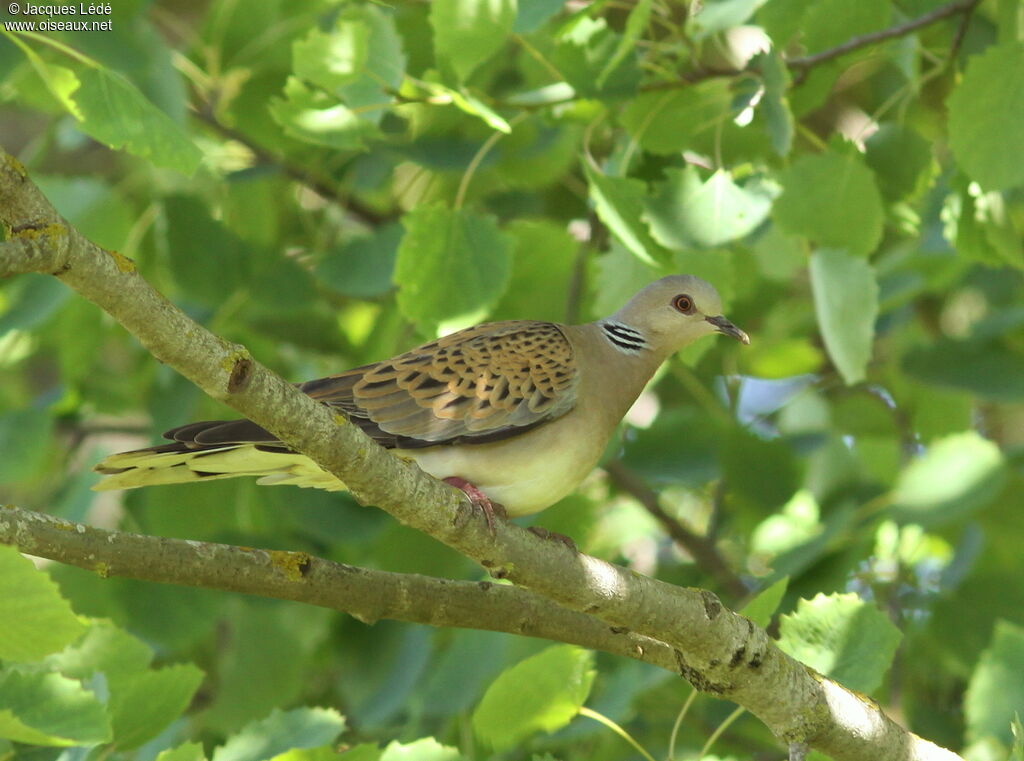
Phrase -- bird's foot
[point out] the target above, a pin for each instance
(479, 500)
(554, 536)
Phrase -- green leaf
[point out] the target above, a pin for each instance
(542, 693)
(184, 752)
(828, 23)
(899, 157)
(470, 104)
(143, 704)
(796, 524)
(686, 212)
(661, 455)
(115, 113)
(774, 105)
(363, 266)
(842, 637)
(668, 122)
(207, 260)
(619, 276)
(453, 265)
(426, 749)
(280, 732)
(37, 620)
(262, 663)
(104, 648)
(60, 81)
(832, 199)
(581, 58)
(279, 283)
(636, 23)
(761, 609)
(764, 471)
(1017, 753)
(985, 111)
(335, 58)
(996, 691)
(26, 439)
(846, 304)
(782, 19)
(986, 368)
(542, 268)
(1010, 19)
(468, 32)
(315, 117)
(531, 14)
(359, 60)
(50, 709)
(619, 202)
(956, 475)
(100, 212)
(718, 15)
(32, 301)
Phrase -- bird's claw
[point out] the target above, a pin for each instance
(492, 511)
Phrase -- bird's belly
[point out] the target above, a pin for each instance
(524, 476)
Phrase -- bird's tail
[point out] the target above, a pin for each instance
(178, 464)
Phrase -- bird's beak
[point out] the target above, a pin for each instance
(725, 327)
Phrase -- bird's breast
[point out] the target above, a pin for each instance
(525, 473)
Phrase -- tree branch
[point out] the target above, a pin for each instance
(718, 651)
(804, 64)
(899, 30)
(315, 182)
(365, 594)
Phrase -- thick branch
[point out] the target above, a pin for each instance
(365, 594)
(718, 651)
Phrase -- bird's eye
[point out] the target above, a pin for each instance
(683, 303)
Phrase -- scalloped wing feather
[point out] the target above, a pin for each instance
(480, 384)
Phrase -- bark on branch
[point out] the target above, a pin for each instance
(718, 651)
(363, 593)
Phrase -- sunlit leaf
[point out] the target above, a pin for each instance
(49, 709)
(37, 620)
(542, 693)
(984, 116)
(832, 199)
(452, 265)
(846, 303)
(280, 732)
(957, 474)
(468, 32)
(996, 692)
(114, 112)
(686, 212)
(619, 203)
(843, 637)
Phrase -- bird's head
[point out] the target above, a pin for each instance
(677, 310)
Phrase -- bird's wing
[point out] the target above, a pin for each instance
(481, 384)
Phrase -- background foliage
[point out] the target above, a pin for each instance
(329, 183)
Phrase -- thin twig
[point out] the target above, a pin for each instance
(899, 30)
(321, 186)
(804, 64)
(704, 553)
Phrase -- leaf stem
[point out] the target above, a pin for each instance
(601, 718)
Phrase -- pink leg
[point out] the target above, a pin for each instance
(478, 499)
